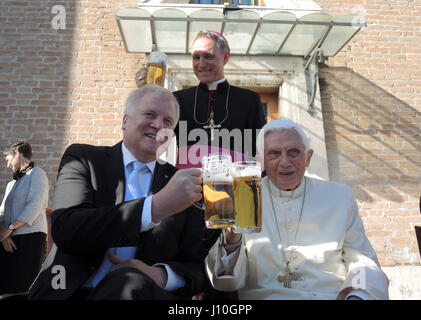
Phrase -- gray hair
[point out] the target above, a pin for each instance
(279, 125)
(150, 89)
(221, 42)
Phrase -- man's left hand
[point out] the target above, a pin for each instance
(9, 245)
(157, 274)
(140, 77)
(4, 232)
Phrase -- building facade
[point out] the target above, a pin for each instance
(65, 75)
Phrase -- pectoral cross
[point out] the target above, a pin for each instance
(211, 126)
(286, 279)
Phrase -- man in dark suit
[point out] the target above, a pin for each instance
(116, 237)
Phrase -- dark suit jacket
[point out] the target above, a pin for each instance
(245, 111)
(90, 215)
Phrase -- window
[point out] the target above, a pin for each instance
(265, 110)
(242, 2)
(206, 1)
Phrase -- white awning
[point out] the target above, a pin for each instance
(249, 30)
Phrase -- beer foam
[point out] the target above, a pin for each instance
(247, 172)
(226, 179)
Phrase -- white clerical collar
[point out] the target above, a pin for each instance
(214, 85)
(128, 158)
(296, 193)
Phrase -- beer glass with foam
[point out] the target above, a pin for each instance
(156, 68)
(247, 196)
(217, 191)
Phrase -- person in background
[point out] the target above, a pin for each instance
(23, 223)
(312, 244)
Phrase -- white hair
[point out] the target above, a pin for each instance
(279, 125)
(149, 90)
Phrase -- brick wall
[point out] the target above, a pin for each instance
(63, 86)
(371, 99)
(60, 86)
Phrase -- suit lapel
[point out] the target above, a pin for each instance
(160, 178)
(116, 171)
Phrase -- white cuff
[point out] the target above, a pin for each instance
(174, 281)
(147, 222)
(229, 260)
(359, 294)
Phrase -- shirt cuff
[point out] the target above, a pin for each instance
(229, 260)
(174, 281)
(147, 222)
(359, 294)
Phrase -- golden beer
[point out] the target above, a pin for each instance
(156, 68)
(155, 73)
(247, 196)
(219, 204)
(248, 204)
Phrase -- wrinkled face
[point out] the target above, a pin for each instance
(149, 126)
(13, 161)
(285, 158)
(208, 60)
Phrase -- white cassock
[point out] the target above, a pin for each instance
(330, 253)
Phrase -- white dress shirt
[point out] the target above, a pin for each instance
(213, 85)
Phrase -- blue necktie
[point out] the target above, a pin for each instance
(138, 183)
(136, 187)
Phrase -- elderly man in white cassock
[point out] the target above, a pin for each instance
(312, 244)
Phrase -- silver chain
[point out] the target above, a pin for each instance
(211, 114)
(276, 221)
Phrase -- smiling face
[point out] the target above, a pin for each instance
(149, 117)
(208, 60)
(285, 158)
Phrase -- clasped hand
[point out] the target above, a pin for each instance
(6, 239)
(5, 232)
(158, 274)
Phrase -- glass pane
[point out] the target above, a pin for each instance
(136, 33)
(242, 2)
(170, 34)
(304, 35)
(239, 33)
(340, 35)
(272, 32)
(239, 2)
(169, 29)
(213, 22)
(206, 1)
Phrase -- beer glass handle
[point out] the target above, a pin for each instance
(199, 205)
